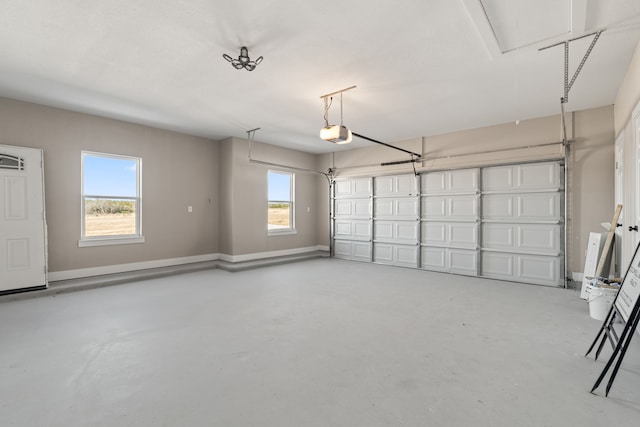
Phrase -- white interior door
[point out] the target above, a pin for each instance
(634, 218)
(621, 251)
(22, 219)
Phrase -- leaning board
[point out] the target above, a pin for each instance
(630, 288)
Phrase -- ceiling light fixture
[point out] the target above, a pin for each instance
(334, 133)
(243, 60)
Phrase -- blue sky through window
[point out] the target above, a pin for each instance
(279, 186)
(105, 176)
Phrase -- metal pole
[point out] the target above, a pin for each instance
(386, 145)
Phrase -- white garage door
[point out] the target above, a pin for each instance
(522, 208)
(502, 222)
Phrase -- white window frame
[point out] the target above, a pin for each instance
(86, 241)
(292, 212)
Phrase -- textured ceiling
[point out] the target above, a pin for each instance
(421, 67)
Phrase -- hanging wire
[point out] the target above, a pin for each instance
(327, 105)
(252, 135)
(518, 63)
(341, 122)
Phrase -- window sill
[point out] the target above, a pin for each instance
(281, 232)
(108, 241)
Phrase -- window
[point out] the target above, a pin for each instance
(280, 207)
(110, 199)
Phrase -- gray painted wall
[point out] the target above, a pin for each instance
(177, 171)
(245, 198)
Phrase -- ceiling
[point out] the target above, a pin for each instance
(421, 67)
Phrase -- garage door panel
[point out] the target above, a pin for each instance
(538, 176)
(525, 177)
(460, 261)
(539, 206)
(498, 236)
(463, 207)
(536, 238)
(355, 251)
(537, 269)
(434, 207)
(463, 261)
(434, 233)
(352, 229)
(458, 234)
(528, 207)
(463, 181)
(342, 249)
(463, 234)
(498, 265)
(400, 255)
(539, 238)
(450, 182)
(352, 188)
(352, 208)
(396, 232)
(498, 178)
(497, 206)
(405, 208)
(361, 251)
(458, 208)
(434, 182)
(433, 259)
(394, 186)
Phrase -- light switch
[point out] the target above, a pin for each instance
(190, 209)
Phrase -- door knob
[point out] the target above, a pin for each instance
(634, 228)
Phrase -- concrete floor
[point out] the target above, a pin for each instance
(315, 343)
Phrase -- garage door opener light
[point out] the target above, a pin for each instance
(334, 133)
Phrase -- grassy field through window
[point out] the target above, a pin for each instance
(110, 224)
(279, 215)
(109, 217)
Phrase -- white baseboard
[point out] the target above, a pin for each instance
(271, 254)
(81, 273)
(125, 268)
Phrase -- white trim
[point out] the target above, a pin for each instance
(281, 232)
(125, 268)
(106, 241)
(56, 276)
(137, 198)
(271, 254)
